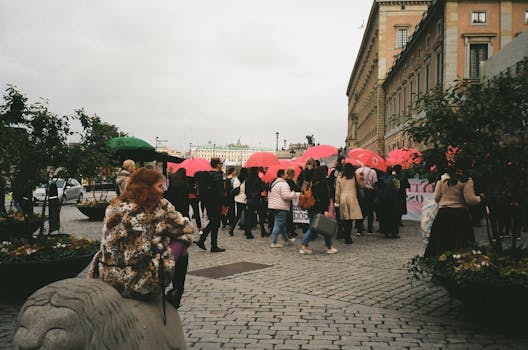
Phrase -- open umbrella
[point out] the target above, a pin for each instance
(404, 156)
(261, 159)
(354, 162)
(271, 174)
(192, 165)
(320, 151)
(129, 144)
(368, 158)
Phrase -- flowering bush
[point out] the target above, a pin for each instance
(476, 266)
(45, 249)
(17, 217)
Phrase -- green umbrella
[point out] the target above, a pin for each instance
(129, 144)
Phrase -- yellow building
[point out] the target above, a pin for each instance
(450, 42)
(389, 25)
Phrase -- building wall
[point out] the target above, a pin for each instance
(452, 21)
(366, 97)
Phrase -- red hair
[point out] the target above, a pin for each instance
(140, 188)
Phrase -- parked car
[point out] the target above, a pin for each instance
(67, 190)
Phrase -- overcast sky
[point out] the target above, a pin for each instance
(189, 71)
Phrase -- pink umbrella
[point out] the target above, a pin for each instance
(271, 174)
(261, 159)
(320, 151)
(368, 158)
(354, 162)
(404, 156)
(193, 165)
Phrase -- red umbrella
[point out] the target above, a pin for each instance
(193, 165)
(320, 151)
(368, 158)
(354, 162)
(261, 159)
(404, 156)
(271, 174)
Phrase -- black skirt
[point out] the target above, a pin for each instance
(451, 230)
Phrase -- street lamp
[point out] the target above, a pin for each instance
(277, 141)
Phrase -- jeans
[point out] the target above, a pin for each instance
(280, 225)
(306, 238)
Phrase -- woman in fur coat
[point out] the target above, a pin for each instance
(135, 255)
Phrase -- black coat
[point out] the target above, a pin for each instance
(321, 196)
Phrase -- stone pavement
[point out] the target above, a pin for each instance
(359, 298)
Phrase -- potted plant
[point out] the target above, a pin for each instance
(34, 149)
(487, 124)
(15, 224)
(93, 158)
(492, 285)
(26, 263)
(94, 210)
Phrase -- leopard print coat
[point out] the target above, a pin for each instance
(133, 244)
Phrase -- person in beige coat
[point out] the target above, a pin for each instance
(129, 166)
(346, 200)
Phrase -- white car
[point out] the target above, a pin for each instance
(67, 190)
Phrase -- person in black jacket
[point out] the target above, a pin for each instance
(178, 191)
(254, 187)
(293, 187)
(319, 188)
(214, 198)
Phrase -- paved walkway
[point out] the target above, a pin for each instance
(360, 298)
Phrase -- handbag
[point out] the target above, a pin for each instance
(324, 225)
(306, 198)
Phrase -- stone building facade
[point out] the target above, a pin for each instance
(389, 25)
(449, 42)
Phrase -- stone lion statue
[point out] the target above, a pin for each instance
(82, 313)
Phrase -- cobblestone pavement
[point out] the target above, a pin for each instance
(359, 298)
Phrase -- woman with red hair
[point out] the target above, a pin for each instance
(135, 255)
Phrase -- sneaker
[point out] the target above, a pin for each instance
(331, 250)
(276, 245)
(291, 240)
(304, 250)
(358, 234)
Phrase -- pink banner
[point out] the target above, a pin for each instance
(420, 191)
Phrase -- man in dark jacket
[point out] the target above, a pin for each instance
(214, 198)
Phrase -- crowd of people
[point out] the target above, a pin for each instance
(344, 192)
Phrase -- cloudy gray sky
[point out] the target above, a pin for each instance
(189, 71)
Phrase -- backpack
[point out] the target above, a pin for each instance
(228, 185)
(204, 184)
(306, 198)
(235, 191)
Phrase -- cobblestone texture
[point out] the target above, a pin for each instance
(360, 298)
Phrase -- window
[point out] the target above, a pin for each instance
(479, 17)
(401, 37)
(427, 76)
(477, 53)
(411, 92)
(399, 102)
(526, 17)
(427, 41)
(438, 28)
(418, 83)
(404, 97)
(439, 68)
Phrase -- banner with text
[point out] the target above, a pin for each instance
(299, 216)
(420, 191)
